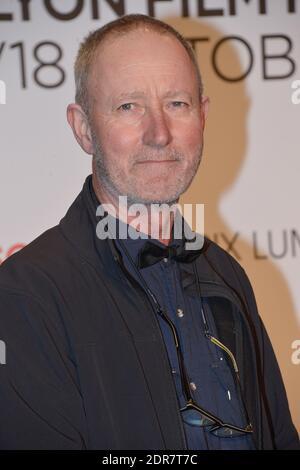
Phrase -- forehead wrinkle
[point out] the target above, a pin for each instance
(149, 64)
(142, 94)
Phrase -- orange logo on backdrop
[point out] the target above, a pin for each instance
(11, 250)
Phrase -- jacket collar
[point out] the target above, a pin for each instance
(79, 228)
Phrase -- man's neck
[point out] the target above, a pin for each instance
(157, 223)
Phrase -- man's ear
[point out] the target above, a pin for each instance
(78, 121)
(204, 108)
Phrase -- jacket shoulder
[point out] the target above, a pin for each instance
(32, 265)
(221, 264)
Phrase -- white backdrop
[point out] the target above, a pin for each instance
(249, 53)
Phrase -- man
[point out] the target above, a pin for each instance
(134, 343)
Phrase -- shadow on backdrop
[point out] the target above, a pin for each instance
(226, 141)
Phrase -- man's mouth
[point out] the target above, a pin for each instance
(158, 161)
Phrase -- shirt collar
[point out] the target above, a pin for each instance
(135, 242)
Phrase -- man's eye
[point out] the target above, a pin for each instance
(126, 107)
(179, 104)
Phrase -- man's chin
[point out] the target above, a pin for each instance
(151, 199)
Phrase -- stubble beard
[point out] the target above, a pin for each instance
(110, 182)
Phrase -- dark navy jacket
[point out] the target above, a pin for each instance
(86, 363)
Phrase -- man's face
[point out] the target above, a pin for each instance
(146, 118)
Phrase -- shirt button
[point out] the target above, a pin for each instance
(193, 386)
(180, 313)
(174, 371)
(165, 260)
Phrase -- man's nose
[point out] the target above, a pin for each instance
(157, 129)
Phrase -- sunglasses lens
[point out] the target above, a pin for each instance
(195, 418)
(226, 432)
